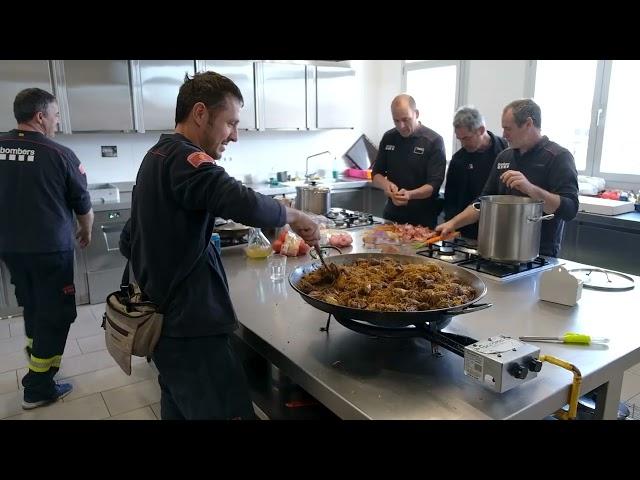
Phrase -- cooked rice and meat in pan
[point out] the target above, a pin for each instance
(387, 285)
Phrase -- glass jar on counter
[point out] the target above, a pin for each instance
(258, 246)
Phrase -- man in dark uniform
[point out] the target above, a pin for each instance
(410, 167)
(179, 192)
(533, 166)
(42, 184)
(470, 166)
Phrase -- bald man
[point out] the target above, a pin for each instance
(410, 167)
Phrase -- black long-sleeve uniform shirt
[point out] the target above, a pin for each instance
(467, 174)
(179, 192)
(550, 167)
(42, 183)
(411, 163)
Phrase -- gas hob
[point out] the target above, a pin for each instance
(464, 254)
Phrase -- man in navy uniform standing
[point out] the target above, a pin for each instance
(42, 184)
(470, 166)
(179, 192)
(533, 166)
(410, 167)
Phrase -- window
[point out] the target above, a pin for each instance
(434, 84)
(588, 107)
(564, 90)
(619, 152)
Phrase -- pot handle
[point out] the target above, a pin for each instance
(472, 308)
(476, 206)
(539, 219)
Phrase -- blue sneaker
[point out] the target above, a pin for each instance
(62, 390)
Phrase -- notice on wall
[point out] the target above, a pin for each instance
(109, 150)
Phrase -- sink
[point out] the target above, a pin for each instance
(104, 193)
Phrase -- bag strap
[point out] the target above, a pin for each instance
(125, 287)
(127, 291)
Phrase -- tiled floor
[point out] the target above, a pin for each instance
(100, 389)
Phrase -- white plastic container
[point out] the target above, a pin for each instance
(604, 206)
(559, 286)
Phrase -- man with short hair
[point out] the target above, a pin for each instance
(470, 166)
(42, 184)
(410, 166)
(179, 192)
(535, 167)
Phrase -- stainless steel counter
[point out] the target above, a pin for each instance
(630, 220)
(289, 189)
(361, 377)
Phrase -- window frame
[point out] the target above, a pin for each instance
(597, 125)
(461, 85)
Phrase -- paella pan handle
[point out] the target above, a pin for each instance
(471, 308)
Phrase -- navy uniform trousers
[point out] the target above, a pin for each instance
(44, 288)
(201, 378)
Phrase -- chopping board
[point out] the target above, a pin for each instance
(604, 206)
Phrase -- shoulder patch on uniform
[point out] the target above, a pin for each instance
(198, 158)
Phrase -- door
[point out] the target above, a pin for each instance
(104, 261)
(8, 302)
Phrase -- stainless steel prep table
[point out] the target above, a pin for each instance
(362, 377)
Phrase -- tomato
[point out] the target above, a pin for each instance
(277, 245)
(303, 249)
(283, 236)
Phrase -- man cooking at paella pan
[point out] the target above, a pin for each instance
(533, 166)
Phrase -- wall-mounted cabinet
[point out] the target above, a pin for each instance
(335, 91)
(282, 96)
(98, 95)
(243, 75)
(140, 95)
(16, 75)
(156, 84)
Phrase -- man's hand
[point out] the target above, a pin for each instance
(403, 195)
(445, 229)
(390, 189)
(517, 180)
(85, 223)
(83, 236)
(303, 225)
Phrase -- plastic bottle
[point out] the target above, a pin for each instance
(215, 239)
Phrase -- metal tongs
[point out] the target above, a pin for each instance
(569, 337)
(332, 271)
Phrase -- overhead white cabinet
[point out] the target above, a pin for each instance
(160, 82)
(243, 75)
(335, 87)
(16, 75)
(99, 95)
(283, 96)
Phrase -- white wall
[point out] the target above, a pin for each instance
(123, 168)
(491, 85)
